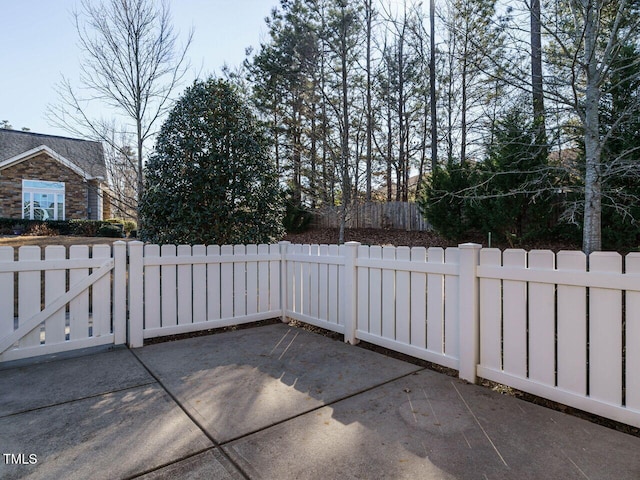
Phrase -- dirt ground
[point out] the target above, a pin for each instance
(43, 241)
(371, 236)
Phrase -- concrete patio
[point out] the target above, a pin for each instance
(278, 402)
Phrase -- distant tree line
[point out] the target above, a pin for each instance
(519, 118)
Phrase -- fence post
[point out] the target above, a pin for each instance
(136, 294)
(351, 292)
(120, 292)
(468, 311)
(284, 248)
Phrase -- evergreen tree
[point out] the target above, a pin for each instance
(210, 179)
(511, 201)
(620, 126)
(444, 203)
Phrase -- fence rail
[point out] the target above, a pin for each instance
(537, 321)
(393, 215)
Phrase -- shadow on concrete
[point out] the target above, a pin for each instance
(282, 402)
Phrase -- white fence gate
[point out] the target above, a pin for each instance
(57, 303)
(536, 321)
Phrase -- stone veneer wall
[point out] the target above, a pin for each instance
(42, 167)
(106, 205)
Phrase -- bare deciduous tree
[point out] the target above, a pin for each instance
(131, 63)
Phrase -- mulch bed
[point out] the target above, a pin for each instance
(373, 236)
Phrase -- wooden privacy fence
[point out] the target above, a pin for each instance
(536, 321)
(393, 215)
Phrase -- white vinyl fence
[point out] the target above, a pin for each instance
(183, 289)
(551, 327)
(536, 321)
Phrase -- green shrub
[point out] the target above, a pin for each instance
(112, 231)
(43, 229)
(85, 228)
(130, 226)
(60, 227)
(210, 179)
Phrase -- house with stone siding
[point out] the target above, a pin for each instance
(47, 177)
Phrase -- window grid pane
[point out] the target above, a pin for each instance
(42, 200)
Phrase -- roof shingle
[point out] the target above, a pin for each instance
(87, 155)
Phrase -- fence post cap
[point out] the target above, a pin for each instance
(353, 244)
(467, 246)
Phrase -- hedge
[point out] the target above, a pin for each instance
(85, 228)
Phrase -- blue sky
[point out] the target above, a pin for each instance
(39, 45)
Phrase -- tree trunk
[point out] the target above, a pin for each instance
(344, 140)
(401, 129)
(536, 72)
(592, 231)
(432, 88)
(369, 13)
(463, 108)
(140, 173)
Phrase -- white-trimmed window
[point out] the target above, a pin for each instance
(42, 200)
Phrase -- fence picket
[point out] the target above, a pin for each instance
(252, 281)
(418, 300)
(341, 286)
(514, 319)
(119, 279)
(101, 296)
(6, 294)
(239, 283)
(227, 283)
(54, 287)
(79, 306)
(152, 310)
(403, 298)
(332, 307)
(274, 281)
(184, 287)
(305, 282)
(323, 285)
(389, 294)
(491, 312)
(363, 291)
(451, 306)
(542, 321)
(375, 294)
(168, 285)
(572, 327)
(632, 344)
(435, 303)
(605, 332)
(29, 293)
(199, 286)
(214, 284)
(263, 280)
(313, 283)
(290, 294)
